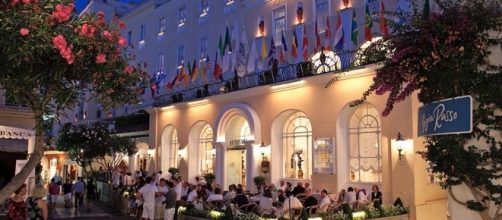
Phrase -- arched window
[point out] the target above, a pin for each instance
(173, 143)
(326, 61)
(297, 145)
(364, 143)
(206, 150)
(170, 146)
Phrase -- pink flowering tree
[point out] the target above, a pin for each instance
(50, 57)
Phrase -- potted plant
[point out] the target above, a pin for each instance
(259, 181)
(209, 177)
(173, 171)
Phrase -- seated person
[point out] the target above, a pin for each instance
(266, 207)
(290, 203)
(310, 200)
(240, 199)
(325, 201)
(216, 196)
(230, 194)
(350, 197)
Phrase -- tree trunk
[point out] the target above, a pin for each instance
(21, 177)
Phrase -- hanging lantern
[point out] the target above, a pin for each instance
(261, 26)
(299, 12)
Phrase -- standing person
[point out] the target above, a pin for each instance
(159, 207)
(91, 193)
(170, 202)
(158, 177)
(78, 190)
(54, 192)
(67, 191)
(37, 206)
(147, 192)
(17, 206)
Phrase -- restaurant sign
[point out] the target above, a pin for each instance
(448, 116)
(16, 133)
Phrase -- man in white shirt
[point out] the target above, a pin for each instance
(158, 176)
(325, 201)
(290, 203)
(162, 188)
(193, 194)
(148, 193)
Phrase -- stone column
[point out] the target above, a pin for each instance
(251, 169)
(220, 171)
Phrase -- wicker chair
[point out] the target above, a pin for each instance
(249, 208)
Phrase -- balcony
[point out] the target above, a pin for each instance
(320, 64)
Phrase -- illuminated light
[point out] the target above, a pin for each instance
(199, 102)
(359, 215)
(151, 151)
(160, 34)
(203, 14)
(141, 42)
(229, 2)
(288, 85)
(167, 108)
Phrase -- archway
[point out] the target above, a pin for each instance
(169, 148)
(238, 129)
(201, 151)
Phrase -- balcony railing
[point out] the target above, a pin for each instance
(324, 64)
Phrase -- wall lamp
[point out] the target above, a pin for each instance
(400, 144)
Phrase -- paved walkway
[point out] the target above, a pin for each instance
(98, 211)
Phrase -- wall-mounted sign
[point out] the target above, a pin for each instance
(449, 116)
(16, 133)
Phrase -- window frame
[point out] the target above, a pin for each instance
(307, 134)
(182, 16)
(277, 33)
(181, 55)
(162, 26)
(206, 149)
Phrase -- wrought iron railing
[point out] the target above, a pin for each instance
(283, 73)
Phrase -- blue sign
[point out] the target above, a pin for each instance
(449, 116)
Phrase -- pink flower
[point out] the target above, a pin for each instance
(14, 2)
(26, 1)
(100, 58)
(59, 41)
(100, 14)
(122, 41)
(24, 31)
(107, 35)
(122, 24)
(128, 70)
(62, 13)
(87, 30)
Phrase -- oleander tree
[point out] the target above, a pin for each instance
(445, 54)
(50, 57)
(94, 144)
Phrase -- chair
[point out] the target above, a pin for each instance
(249, 208)
(295, 213)
(311, 210)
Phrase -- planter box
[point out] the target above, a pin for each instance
(185, 217)
(397, 217)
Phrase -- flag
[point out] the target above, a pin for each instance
(195, 71)
(221, 46)
(235, 42)
(317, 37)
(354, 32)
(153, 88)
(339, 34)
(305, 44)
(368, 24)
(251, 66)
(205, 68)
(271, 52)
(227, 42)
(383, 23)
(171, 83)
(243, 51)
(189, 72)
(186, 75)
(327, 33)
(284, 49)
(294, 45)
(217, 69)
(427, 9)
(263, 48)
